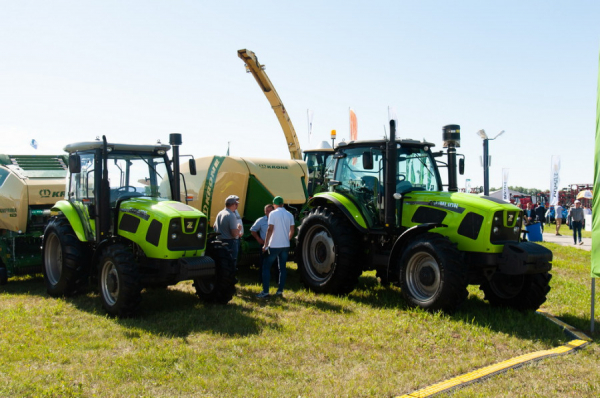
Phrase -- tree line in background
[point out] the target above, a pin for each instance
(527, 191)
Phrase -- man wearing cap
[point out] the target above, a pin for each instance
(230, 226)
(259, 232)
(576, 215)
(277, 245)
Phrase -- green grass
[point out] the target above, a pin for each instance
(368, 344)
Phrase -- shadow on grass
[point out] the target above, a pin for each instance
(172, 312)
(476, 311)
(176, 313)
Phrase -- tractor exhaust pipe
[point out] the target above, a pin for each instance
(175, 141)
(451, 137)
(391, 163)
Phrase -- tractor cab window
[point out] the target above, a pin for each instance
(416, 170)
(137, 175)
(81, 187)
(320, 170)
(364, 185)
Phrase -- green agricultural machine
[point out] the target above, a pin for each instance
(385, 210)
(123, 227)
(29, 187)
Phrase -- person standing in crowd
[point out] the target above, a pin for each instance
(277, 245)
(230, 226)
(259, 231)
(576, 215)
(558, 209)
(540, 213)
(529, 215)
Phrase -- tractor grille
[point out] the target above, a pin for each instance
(187, 233)
(506, 226)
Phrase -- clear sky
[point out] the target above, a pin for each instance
(139, 70)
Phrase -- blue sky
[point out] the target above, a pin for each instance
(139, 70)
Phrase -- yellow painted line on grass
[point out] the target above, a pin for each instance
(460, 381)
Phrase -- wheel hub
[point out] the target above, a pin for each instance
(426, 276)
(321, 252)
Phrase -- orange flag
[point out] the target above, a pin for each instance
(353, 126)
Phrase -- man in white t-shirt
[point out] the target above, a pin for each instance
(277, 245)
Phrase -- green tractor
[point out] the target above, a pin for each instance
(385, 210)
(123, 226)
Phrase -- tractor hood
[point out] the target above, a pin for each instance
(160, 210)
(456, 200)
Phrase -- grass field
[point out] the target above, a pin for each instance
(368, 344)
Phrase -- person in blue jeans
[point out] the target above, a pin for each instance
(576, 215)
(277, 245)
(229, 226)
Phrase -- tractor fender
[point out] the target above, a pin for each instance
(69, 211)
(344, 205)
(403, 240)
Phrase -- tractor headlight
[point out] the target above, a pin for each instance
(516, 230)
(200, 235)
(173, 236)
(496, 230)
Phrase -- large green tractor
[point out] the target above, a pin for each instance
(385, 210)
(124, 227)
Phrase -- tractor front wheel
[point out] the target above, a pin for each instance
(431, 274)
(119, 281)
(521, 292)
(219, 288)
(65, 259)
(329, 252)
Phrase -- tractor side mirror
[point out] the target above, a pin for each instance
(192, 165)
(461, 166)
(367, 160)
(75, 163)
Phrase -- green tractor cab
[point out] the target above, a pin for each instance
(385, 210)
(123, 226)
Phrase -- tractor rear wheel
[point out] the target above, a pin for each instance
(329, 252)
(219, 288)
(119, 281)
(431, 274)
(65, 259)
(521, 292)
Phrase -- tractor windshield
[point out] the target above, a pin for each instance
(137, 175)
(129, 175)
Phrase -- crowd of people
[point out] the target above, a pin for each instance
(575, 217)
(273, 232)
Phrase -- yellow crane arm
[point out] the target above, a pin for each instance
(257, 70)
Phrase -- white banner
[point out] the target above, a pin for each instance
(505, 195)
(554, 179)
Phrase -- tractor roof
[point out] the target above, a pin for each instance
(88, 145)
(404, 142)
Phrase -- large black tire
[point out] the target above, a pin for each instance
(219, 288)
(3, 274)
(329, 252)
(521, 292)
(65, 259)
(119, 281)
(432, 275)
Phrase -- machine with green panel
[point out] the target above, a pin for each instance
(385, 210)
(29, 186)
(124, 227)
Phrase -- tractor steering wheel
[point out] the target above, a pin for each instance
(126, 188)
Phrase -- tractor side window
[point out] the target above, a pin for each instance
(82, 184)
(364, 185)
